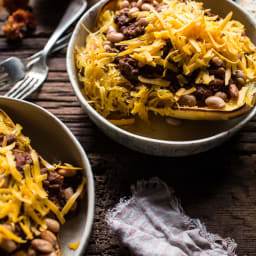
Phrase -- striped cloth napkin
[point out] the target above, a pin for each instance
(153, 223)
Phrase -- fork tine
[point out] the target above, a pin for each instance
(19, 86)
(26, 86)
(27, 90)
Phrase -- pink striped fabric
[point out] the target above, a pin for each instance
(152, 223)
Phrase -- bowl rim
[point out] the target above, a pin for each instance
(89, 175)
(116, 129)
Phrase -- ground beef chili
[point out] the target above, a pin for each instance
(129, 68)
(22, 158)
(202, 92)
(166, 49)
(122, 18)
(55, 186)
(29, 199)
(130, 28)
(9, 139)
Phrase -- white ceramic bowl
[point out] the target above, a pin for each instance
(55, 142)
(151, 142)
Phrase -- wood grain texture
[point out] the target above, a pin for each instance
(218, 187)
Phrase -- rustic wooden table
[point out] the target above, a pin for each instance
(218, 186)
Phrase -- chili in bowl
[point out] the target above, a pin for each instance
(47, 206)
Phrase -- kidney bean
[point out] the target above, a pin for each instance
(217, 61)
(107, 43)
(160, 7)
(188, 100)
(173, 121)
(53, 225)
(133, 4)
(111, 29)
(240, 81)
(143, 21)
(67, 173)
(31, 252)
(217, 83)
(49, 236)
(8, 246)
(146, 7)
(233, 91)
(220, 72)
(124, 4)
(68, 193)
(215, 102)
(125, 10)
(133, 11)
(107, 46)
(140, 3)
(115, 37)
(155, 3)
(239, 73)
(222, 95)
(42, 245)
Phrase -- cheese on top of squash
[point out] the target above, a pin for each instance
(195, 38)
(23, 199)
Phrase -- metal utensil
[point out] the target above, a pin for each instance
(14, 69)
(38, 71)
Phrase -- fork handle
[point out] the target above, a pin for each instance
(60, 44)
(73, 12)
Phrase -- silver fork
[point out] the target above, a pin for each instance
(11, 70)
(38, 71)
(14, 69)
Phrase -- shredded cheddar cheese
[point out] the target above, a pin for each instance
(74, 246)
(195, 39)
(23, 198)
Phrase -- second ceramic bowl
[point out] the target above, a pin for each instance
(55, 142)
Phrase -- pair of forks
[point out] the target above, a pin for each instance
(34, 70)
(14, 69)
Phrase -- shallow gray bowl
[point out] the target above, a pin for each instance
(55, 142)
(161, 141)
